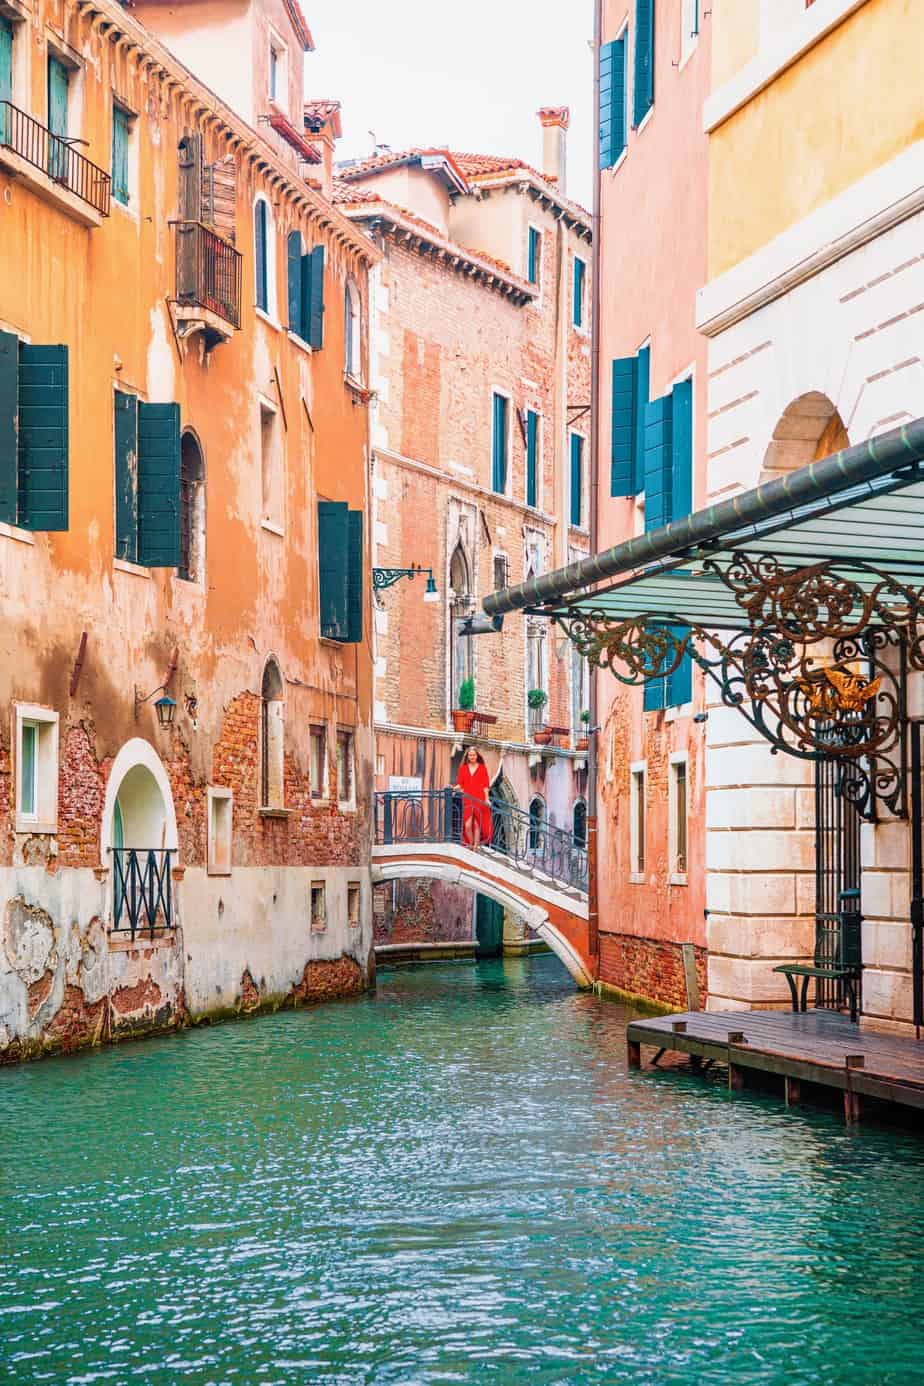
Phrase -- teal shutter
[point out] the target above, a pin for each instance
(354, 577)
(642, 387)
(313, 297)
(577, 457)
(333, 582)
(259, 255)
(682, 450)
(120, 127)
(532, 457)
(532, 270)
(43, 443)
(125, 430)
(655, 694)
(499, 445)
(578, 293)
(680, 684)
(658, 459)
(644, 60)
(57, 118)
(9, 425)
(159, 485)
(623, 442)
(294, 280)
(612, 113)
(6, 65)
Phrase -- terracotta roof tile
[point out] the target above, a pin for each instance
(319, 112)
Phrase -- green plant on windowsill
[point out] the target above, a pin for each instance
(463, 716)
(467, 695)
(585, 717)
(537, 698)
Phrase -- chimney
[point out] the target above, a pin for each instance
(555, 121)
(323, 128)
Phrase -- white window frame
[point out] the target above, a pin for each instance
(215, 795)
(638, 831)
(44, 819)
(689, 38)
(350, 801)
(277, 45)
(318, 925)
(508, 488)
(354, 892)
(353, 332)
(274, 524)
(269, 314)
(69, 58)
(319, 794)
(677, 758)
(132, 205)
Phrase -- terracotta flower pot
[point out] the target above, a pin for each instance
(581, 744)
(462, 720)
(542, 736)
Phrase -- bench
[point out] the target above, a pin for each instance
(848, 975)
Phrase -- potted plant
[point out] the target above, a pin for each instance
(537, 699)
(582, 742)
(463, 716)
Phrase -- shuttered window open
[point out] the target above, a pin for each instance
(354, 578)
(532, 458)
(340, 572)
(260, 255)
(9, 424)
(6, 67)
(294, 281)
(612, 112)
(499, 444)
(669, 496)
(643, 90)
(121, 124)
(577, 478)
(623, 440)
(313, 297)
(159, 485)
(125, 429)
(33, 434)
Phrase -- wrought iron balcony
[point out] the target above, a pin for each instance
(54, 156)
(208, 271)
(142, 894)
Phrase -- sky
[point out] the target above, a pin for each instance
(469, 74)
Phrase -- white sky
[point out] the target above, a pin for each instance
(469, 74)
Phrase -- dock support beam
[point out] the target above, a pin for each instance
(853, 1106)
(634, 1053)
(792, 1091)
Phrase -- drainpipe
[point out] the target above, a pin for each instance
(593, 917)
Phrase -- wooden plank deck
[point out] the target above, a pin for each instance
(818, 1047)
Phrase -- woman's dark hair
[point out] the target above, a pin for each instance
(481, 760)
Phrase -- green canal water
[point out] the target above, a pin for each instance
(453, 1181)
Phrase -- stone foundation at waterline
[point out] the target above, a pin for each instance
(650, 968)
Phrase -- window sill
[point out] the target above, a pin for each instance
(275, 812)
(262, 314)
(613, 168)
(122, 565)
(331, 643)
(346, 805)
(674, 714)
(218, 870)
(273, 529)
(636, 878)
(128, 209)
(694, 45)
(122, 942)
(645, 120)
(49, 191)
(299, 342)
(320, 799)
(20, 536)
(31, 827)
(677, 878)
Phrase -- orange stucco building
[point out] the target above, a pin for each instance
(183, 476)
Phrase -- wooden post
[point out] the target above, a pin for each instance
(736, 1074)
(688, 953)
(853, 1106)
(634, 1053)
(792, 1091)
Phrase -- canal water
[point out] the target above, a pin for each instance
(454, 1181)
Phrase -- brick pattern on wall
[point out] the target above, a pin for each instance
(650, 968)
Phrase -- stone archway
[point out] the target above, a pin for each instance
(809, 429)
(139, 797)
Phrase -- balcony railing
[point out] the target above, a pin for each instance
(54, 156)
(208, 271)
(142, 894)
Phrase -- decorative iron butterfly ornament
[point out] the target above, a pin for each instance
(839, 690)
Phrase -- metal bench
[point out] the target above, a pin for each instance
(848, 975)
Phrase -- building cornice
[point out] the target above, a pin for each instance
(571, 213)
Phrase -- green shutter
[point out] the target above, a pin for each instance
(532, 458)
(120, 126)
(533, 256)
(642, 386)
(658, 458)
(43, 446)
(57, 118)
(499, 445)
(681, 450)
(313, 297)
(612, 112)
(577, 293)
(680, 684)
(355, 577)
(294, 281)
(333, 583)
(577, 456)
(644, 60)
(623, 442)
(259, 255)
(9, 421)
(6, 67)
(125, 429)
(655, 695)
(159, 485)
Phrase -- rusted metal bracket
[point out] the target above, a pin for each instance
(78, 664)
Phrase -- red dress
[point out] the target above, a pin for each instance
(475, 784)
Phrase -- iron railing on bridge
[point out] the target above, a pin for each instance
(54, 155)
(142, 896)
(436, 815)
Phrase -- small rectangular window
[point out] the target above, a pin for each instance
(220, 809)
(147, 481)
(35, 768)
(534, 255)
(121, 132)
(678, 819)
(318, 768)
(637, 820)
(27, 766)
(271, 468)
(344, 767)
(577, 479)
(532, 458)
(318, 907)
(577, 294)
(500, 571)
(499, 444)
(354, 900)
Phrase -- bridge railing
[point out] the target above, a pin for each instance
(437, 815)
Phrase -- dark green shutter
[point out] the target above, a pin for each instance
(644, 59)
(658, 458)
(333, 583)
(159, 485)
(43, 449)
(313, 297)
(577, 453)
(6, 66)
(533, 256)
(623, 442)
(259, 255)
(642, 386)
(125, 428)
(682, 450)
(355, 577)
(499, 445)
(655, 695)
(680, 684)
(120, 155)
(9, 417)
(532, 458)
(57, 118)
(577, 293)
(612, 113)
(294, 280)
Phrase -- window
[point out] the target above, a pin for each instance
(58, 93)
(344, 767)
(33, 434)
(340, 572)
(121, 130)
(305, 281)
(536, 824)
(192, 510)
(318, 907)
(577, 292)
(220, 806)
(578, 691)
(689, 28)
(35, 767)
(354, 902)
(577, 479)
(277, 78)
(263, 255)
(318, 763)
(499, 444)
(533, 255)
(532, 458)
(677, 809)
(460, 607)
(627, 443)
(637, 820)
(272, 469)
(272, 739)
(612, 113)
(147, 481)
(6, 70)
(579, 823)
(643, 88)
(500, 571)
(353, 331)
(535, 668)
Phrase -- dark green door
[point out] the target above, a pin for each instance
(489, 927)
(58, 79)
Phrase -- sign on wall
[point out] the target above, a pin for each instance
(405, 784)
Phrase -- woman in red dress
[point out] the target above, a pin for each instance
(474, 783)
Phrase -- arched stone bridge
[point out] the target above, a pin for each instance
(538, 871)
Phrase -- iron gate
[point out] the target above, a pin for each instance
(916, 730)
(837, 882)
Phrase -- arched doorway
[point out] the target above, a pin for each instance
(460, 607)
(139, 840)
(536, 823)
(809, 429)
(503, 821)
(272, 737)
(579, 823)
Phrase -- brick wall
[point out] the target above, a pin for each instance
(421, 912)
(650, 968)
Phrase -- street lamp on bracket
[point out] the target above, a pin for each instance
(387, 577)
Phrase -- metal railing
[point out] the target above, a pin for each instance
(436, 815)
(54, 155)
(208, 271)
(142, 894)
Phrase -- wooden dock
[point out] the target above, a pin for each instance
(822, 1047)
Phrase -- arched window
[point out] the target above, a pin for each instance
(264, 256)
(460, 606)
(192, 510)
(579, 823)
(272, 741)
(536, 823)
(353, 330)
